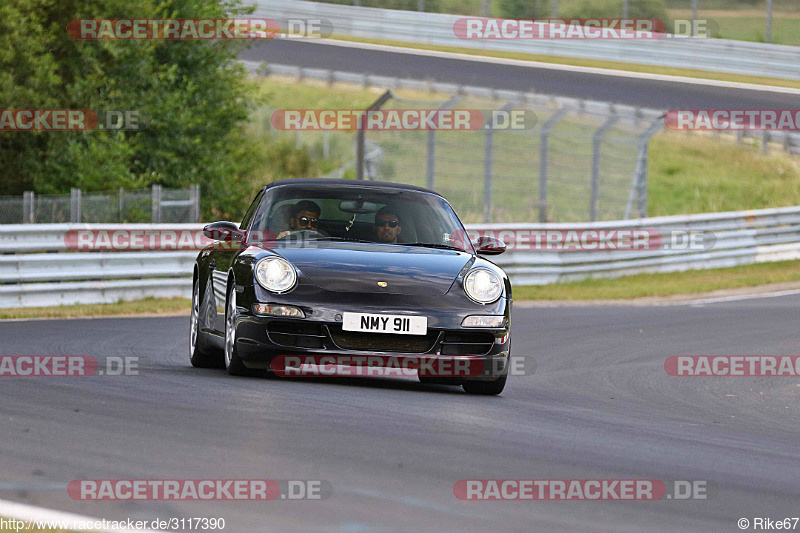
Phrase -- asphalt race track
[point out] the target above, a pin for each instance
(600, 405)
(652, 93)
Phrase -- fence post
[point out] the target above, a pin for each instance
(558, 115)
(488, 162)
(28, 209)
(326, 144)
(431, 157)
(195, 197)
(360, 134)
(768, 37)
(487, 174)
(639, 185)
(121, 203)
(596, 140)
(155, 211)
(764, 142)
(74, 205)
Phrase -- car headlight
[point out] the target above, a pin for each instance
(276, 274)
(483, 285)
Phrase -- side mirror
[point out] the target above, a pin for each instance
(490, 246)
(223, 231)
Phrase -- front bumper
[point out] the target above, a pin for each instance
(472, 353)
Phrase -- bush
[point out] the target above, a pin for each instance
(642, 9)
(194, 91)
(523, 9)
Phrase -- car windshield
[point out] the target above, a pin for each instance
(359, 214)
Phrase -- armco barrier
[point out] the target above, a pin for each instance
(36, 269)
(721, 55)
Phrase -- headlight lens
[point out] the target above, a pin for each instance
(275, 274)
(483, 285)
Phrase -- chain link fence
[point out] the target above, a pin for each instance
(580, 161)
(148, 205)
(577, 161)
(567, 165)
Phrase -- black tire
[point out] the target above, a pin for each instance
(201, 353)
(233, 364)
(487, 388)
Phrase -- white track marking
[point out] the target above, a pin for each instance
(741, 297)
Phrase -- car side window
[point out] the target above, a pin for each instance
(248, 216)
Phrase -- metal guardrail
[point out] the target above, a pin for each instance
(742, 237)
(37, 270)
(720, 55)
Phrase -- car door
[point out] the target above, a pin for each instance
(220, 264)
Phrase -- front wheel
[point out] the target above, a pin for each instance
(487, 388)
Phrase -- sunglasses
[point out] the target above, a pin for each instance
(309, 221)
(390, 223)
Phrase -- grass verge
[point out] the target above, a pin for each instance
(666, 284)
(696, 173)
(749, 25)
(148, 306)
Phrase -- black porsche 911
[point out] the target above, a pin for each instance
(355, 268)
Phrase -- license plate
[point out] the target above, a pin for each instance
(400, 324)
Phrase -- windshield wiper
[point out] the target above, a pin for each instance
(431, 245)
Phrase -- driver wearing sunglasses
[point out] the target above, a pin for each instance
(304, 216)
(387, 226)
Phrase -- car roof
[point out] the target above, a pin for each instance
(333, 183)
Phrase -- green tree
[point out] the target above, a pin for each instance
(193, 91)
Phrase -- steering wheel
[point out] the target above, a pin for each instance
(302, 235)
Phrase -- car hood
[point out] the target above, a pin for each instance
(357, 267)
